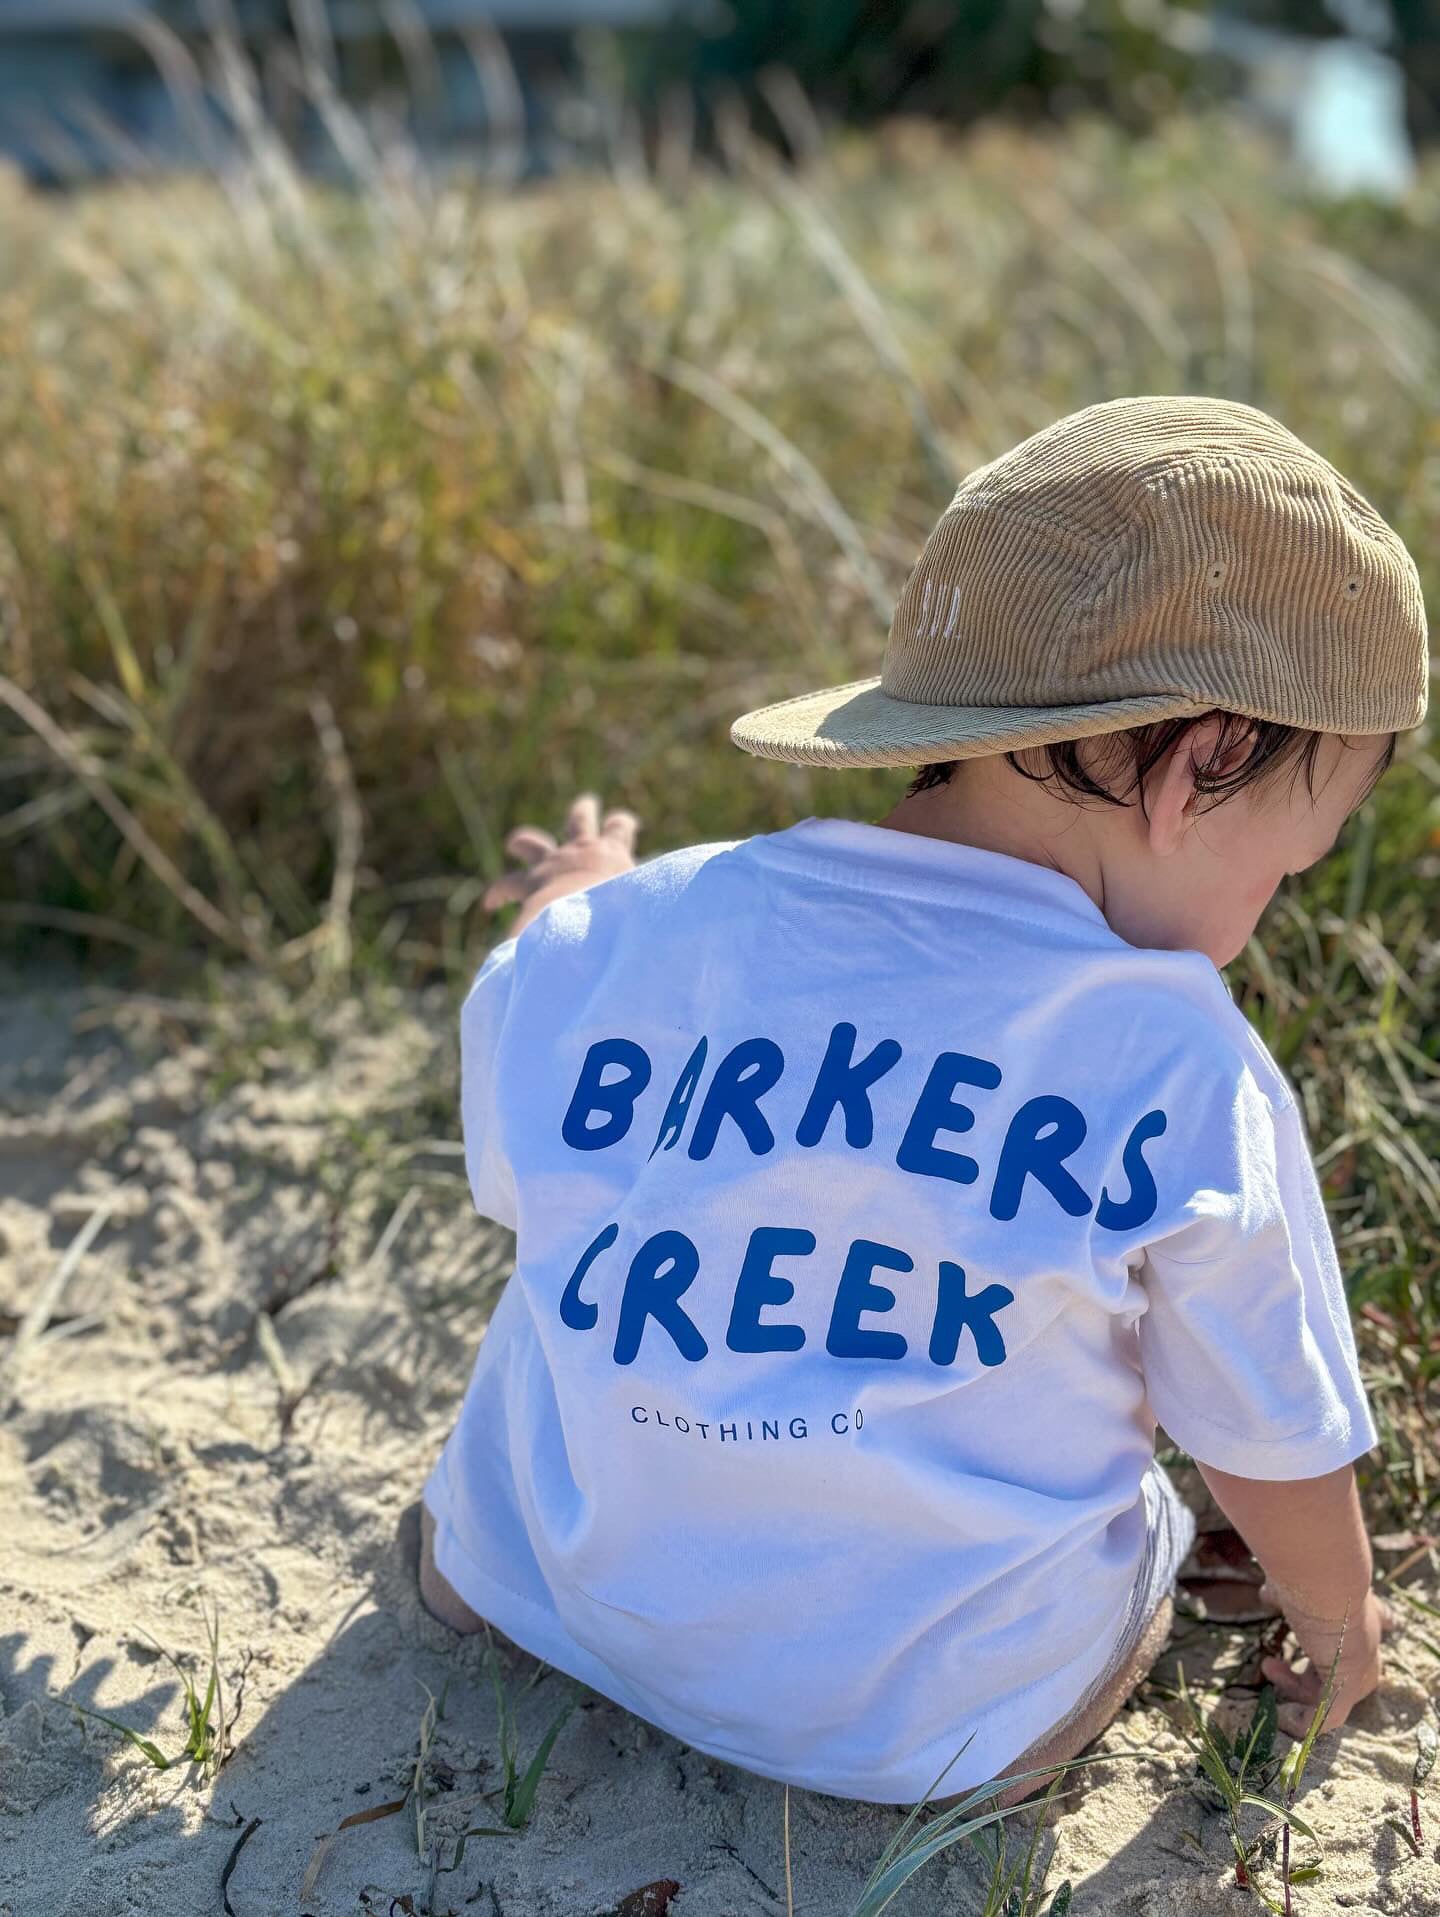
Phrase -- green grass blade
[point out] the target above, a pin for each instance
(476, 1830)
(517, 1811)
(156, 1756)
(1278, 1810)
(506, 1726)
(917, 1810)
(1293, 1768)
(1216, 1770)
(954, 1826)
(1426, 1746)
(1263, 1726)
(881, 1891)
(1028, 1886)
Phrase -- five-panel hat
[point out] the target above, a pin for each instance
(1142, 559)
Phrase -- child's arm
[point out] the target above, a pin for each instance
(1309, 1536)
(592, 849)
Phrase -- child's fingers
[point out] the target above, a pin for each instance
(1303, 1687)
(622, 827)
(1295, 1719)
(583, 820)
(530, 843)
(509, 889)
(1298, 1694)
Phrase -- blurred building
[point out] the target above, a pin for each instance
(91, 87)
(1340, 101)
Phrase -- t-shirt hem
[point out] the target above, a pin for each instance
(534, 1629)
(1268, 1460)
(540, 1632)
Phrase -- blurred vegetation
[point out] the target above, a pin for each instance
(1135, 61)
(340, 532)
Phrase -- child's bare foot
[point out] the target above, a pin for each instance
(439, 1597)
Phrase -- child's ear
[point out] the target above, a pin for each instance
(1172, 800)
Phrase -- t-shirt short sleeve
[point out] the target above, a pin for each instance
(482, 1024)
(1246, 1343)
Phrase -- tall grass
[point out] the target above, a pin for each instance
(339, 531)
(461, 499)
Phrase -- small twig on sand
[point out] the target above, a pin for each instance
(789, 1883)
(293, 1390)
(395, 1224)
(229, 1871)
(349, 832)
(32, 1326)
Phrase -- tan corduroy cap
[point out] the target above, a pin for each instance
(1141, 559)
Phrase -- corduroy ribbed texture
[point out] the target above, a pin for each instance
(1137, 560)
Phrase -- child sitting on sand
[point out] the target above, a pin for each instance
(877, 1188)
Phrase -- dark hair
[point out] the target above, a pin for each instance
(1130, 757)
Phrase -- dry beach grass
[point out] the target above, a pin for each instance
(337, 533)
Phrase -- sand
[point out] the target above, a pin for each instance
(228, 1409)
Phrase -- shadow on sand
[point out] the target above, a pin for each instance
(620, 1807)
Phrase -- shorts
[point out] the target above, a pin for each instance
(1169, 1536)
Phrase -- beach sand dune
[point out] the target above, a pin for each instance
(241, 1287)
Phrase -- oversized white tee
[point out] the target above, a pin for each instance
(873, 1199)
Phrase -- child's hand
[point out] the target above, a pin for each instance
(1309, 1533)
(1356, 1675)
(592, 849)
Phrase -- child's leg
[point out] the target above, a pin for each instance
(440, 1598)
(1071, 1736)
(1170, 1532)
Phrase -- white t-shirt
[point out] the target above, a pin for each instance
(873, 1199)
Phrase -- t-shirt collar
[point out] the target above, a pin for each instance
(909, 862)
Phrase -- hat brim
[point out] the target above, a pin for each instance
(859, 725)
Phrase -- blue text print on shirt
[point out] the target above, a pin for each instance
(1043, 1134)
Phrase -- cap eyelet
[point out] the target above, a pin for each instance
(1216, 572)
(1352, 584)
